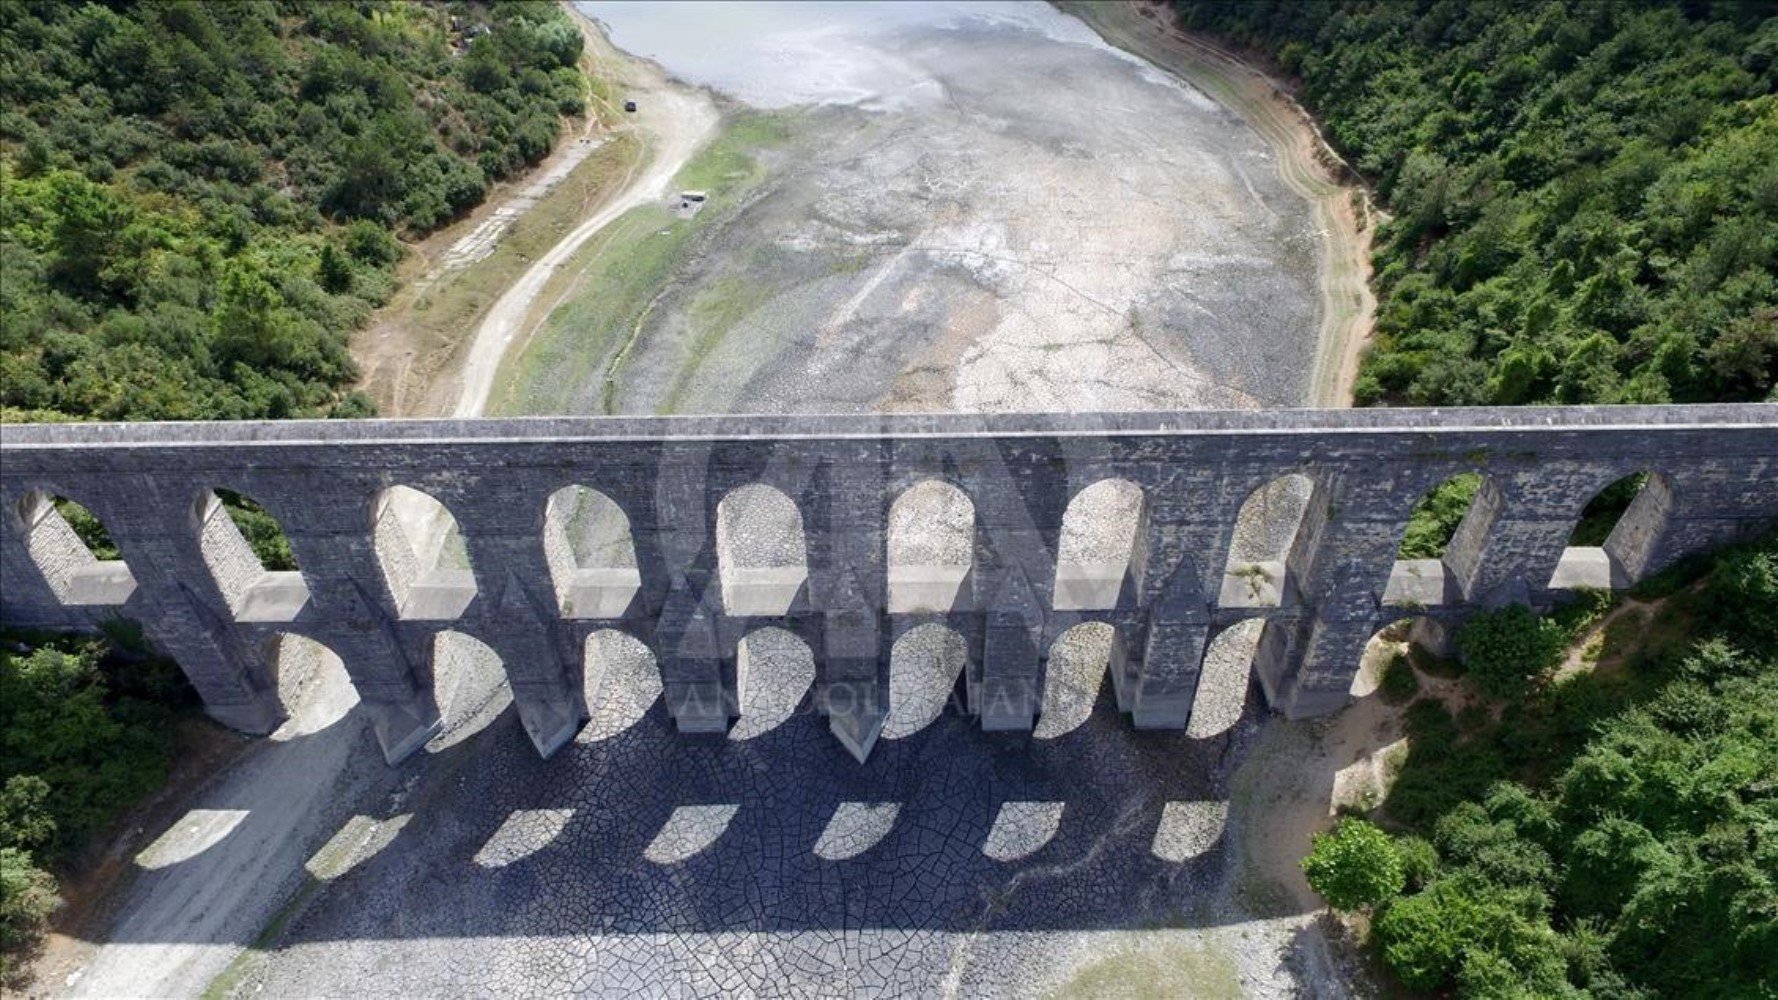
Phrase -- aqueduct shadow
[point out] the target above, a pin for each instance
(591, 872)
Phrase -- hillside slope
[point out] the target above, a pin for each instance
(1585, 196)
(201, 200)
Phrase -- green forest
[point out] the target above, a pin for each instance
(1583, 197)
(200, 201)
(1582, 207)
(1610, 832)
(86, 729)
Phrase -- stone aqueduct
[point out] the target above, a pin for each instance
(377, 594)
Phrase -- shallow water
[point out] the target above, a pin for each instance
(774, 55)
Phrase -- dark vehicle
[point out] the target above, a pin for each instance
(630, 106)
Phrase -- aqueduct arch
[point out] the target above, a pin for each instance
(385, 570)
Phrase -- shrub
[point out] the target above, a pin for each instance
(25, 820)
(1398, 685)
(261, 531)
(1743, 597)
(60, 723)
(1436, 517)
(1606, 862)
(1423, 936)
(27, 897)
(1419, 861)
(1440, 774)
(1468, 837)
(1504, 649)
(1490, 938)
(1428, 724)
(1355, 866)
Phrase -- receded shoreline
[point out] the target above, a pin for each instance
(1343, 211)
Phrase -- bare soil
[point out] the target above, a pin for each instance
(1343, 207)
(91, 886)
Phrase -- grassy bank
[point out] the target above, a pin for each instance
(601, 300)
(434, 319)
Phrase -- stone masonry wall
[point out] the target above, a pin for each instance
(1715, 479)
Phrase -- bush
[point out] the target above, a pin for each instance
(1419, 861)
(1490, 938)
(1440, 771)
(1502, 650)
(261, 531)
(1468, 837)
(1398, 685)
(1435, 519)
(1355, 866)
(1422, 937)
(27, 897)
(1743, 596)
(1605, 864)
(62, 726)
(92, 533)
(25, 820)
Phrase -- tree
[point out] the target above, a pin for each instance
(27, 897)
(1355, 866)
(139, 139)
(1504, 649)
(25, 820)
(334, 271)
(87, 221)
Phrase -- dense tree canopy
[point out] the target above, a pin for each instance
(85, 730)
(200, 200)
(1610, 833)
(1355, 866)
(1584, 196)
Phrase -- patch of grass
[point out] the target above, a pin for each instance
(1158, 972)
(231, 978)
(712, 315)
(615, 274)
(606, 290)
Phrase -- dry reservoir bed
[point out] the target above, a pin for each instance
(909, 208)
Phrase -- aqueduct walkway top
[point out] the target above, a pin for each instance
(377, 593)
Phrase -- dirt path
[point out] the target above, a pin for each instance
(677, 122)
(222, 870)
(399, 353)
(1308, 165)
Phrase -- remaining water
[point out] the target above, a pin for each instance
(774, 55)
